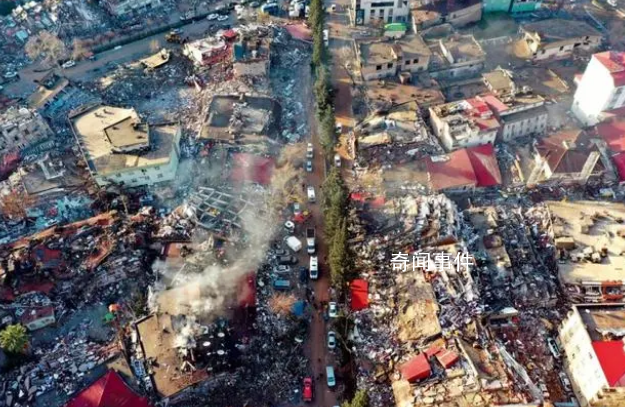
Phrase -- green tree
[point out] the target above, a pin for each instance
(339, 254)
(318, 52)
(361, 399)
(315, 17)
(14, 339)
(327, 129)
(322, 88)
(6, 7)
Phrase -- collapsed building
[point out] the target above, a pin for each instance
(241, 119)
(22, 127)
(251, 56)
(382, 59)
(456, 57)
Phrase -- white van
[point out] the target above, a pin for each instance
(311, 194)
(314, 268)
(330, 376)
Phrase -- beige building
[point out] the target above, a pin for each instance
(464, 123)
(592, 338)
(120, 8)
(521, 115)
(383, 59)
(428, 13)
(21, 127)
(120, 148)
(456, 56)
(557, 38)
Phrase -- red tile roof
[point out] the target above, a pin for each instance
(614, 62)
(360, 294)
(108, 391)
(447, 358)
(613, 134)
(474, 167)
(562, 159)
(611, 357)
(417, 368)
(494, 103)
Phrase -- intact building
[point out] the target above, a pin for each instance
(592, 338)
(119, 148)
(383, 59)
(465, 123)
(601, 88)
(558, 38)
(382, 12)
(511, 6)
(521, 115)
(428, 13)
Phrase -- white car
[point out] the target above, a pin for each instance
(313, 269)
(331, 340)
(10, 75)
(222, 18)
(69, 64)
(309, 166)
(212, 17)
(337, 160)
(282, 269)
(333, 310)
(339, 128)
(309, 151)
(310, 192)
(117, 47)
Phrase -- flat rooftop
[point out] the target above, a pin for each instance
(556, 30)
(157, 334)
(232, 119)
(100, 130)
(602, 320)
(377, 52)
(464, 47)
(594, 225)
(499, 80)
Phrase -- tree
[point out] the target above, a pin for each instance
(315, 17)
(14, 339)
(339, 255)
(79, 49)
(6, 7)
(361, 399)
(327, 130)
(155, 45)
(47, 47)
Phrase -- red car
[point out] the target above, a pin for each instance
(308, 389)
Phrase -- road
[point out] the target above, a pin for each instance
(319, 355)
(85, 70)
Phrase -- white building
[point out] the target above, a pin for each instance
(592, 340)
(119, 148)
(601, 88)
(372, 11)
(206, 52)
(521, 115)
(465, 123)
(21, 127)
(123, 7)
(556, 38)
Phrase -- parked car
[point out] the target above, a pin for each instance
(282, 269)
(565, 382)
(69, 64)
(222, 18)
(314, 268)
(308, 389)
(337, 160)
(255, 4)
(310, 192)
(339, 128)
(117, 47)
(331, 340)
(280, 252)
(309, 151)
(297, 209)
(309, 167)
(553, 348)
(212, 16)
(303, 275)
(287, 260)
(11, 75)
(333, 310)
(330, 379)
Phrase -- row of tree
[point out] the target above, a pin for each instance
(323, 85)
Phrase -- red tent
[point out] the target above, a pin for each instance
(360, 294)
(246, 297)
(416, 368)
(108, 391)
(447, 358)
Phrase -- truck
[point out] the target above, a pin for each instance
(310, 240)
(174, 37)
(294, 243)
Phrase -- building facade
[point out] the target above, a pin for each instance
(520, 115)
(455, 57)
(121, 149)
(21, 127)
(557, 38)
(601, 88)
(428, 13)
(465, 123)
(121, 8)
(592, 340)
(383, 59)
(383, 12)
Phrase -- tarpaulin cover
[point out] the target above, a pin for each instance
(417, 368)
(247, 291)
(447, 358)
(252, 168)
(108, 391)
(360, 294)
